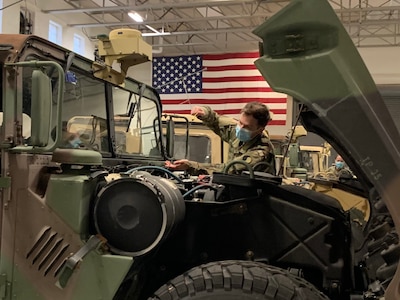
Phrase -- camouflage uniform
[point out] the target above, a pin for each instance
(258, 149)
(344, 172)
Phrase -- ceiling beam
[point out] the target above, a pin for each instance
(202, 32)
(356, 23)
(151, 6)
(167, 21)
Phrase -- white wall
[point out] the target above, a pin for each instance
(383, 64)
(11, 17)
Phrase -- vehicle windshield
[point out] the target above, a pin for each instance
(96, 115)
(199, 148)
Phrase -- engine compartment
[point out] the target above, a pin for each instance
(257, 218)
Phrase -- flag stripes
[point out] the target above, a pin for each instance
(225, 82)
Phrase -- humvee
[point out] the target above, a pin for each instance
(89, 212)
(195, 141)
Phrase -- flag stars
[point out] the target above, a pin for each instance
(170, 69)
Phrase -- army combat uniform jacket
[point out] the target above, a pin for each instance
(257, 151)
(345, 172)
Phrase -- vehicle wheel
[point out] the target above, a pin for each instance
(238, 280)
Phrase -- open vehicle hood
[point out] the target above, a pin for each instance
(308, 54)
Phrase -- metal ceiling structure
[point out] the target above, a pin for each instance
(176, 27)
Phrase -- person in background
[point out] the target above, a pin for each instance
(339, 169)
(71, 140)
(247, 138)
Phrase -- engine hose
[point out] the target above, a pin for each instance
(198, 187)
(155, 168)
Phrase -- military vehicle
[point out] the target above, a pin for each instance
(195, 141)
(88, 211)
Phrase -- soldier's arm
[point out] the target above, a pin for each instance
(221, 125)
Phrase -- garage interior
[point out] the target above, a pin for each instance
(185, 27)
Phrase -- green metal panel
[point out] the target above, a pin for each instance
(69, 196)
(5, 182)
(98, 277)
(310, 46)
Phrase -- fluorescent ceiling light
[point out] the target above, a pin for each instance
(152, 29)
(156, 34)
(135, 16)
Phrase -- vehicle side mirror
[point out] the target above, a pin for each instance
(40, 109)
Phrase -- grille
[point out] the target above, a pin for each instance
(47, 254)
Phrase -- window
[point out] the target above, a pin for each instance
(79, 44)
(135, 124)
(55, 32)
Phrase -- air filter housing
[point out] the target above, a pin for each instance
(136, 214)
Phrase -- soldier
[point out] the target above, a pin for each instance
(247, 138)
(339, 169)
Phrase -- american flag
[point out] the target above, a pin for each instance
(225, 82)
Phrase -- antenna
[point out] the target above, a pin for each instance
(182, 79)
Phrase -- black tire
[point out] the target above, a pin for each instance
(238, 280)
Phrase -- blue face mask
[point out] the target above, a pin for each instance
(75, 143)
(339, 164)
(243, 134)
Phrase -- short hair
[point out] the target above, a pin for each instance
(259, 111)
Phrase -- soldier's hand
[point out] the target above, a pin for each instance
(178, 165)
(197, 111)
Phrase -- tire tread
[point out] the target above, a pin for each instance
(239, 276)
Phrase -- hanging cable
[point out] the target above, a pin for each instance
(290, 139)
(12, 4)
